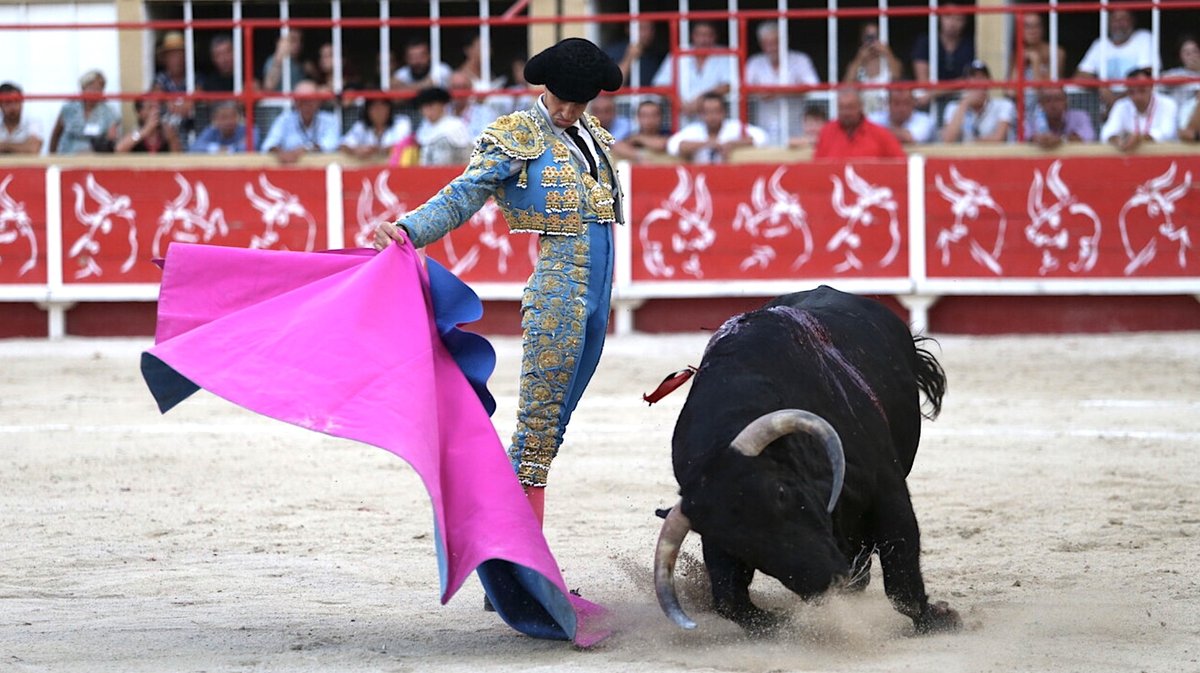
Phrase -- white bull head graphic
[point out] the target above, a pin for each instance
(968, 199)
(368, 217)
(101, 222)
(871, 205)
(771, 218)
(186, 221)
(1159, 202)
(15, 225)
(1050, 231)
(692, 232)
(278, 207)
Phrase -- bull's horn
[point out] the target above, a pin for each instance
(670, 539)
(769, 427)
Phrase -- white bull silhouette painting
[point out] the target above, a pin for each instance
(99, 224)
(377, 204)
(1158, 197)
(873, 205)
(984, 238)
(677, 231)
(779, 218)
(280, 209)
(1062, 228)
(15, 226)
(187, 218)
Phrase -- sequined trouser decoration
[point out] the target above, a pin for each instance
(564, 318)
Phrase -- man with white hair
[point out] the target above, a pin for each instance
(766, 68)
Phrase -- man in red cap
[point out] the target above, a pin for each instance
(550, 172)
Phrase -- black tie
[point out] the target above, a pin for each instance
(587, 153)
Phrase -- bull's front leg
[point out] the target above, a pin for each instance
(898, 540)
(730, 579)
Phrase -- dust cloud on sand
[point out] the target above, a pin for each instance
(1058, 495)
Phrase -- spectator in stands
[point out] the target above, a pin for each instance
(1141, 117)
(323, 75)
(712, 138)
(17, 135)
(1051, 124)
(152, 135)
(476, 110)
(646, 52)
(604, 108)
(445, 139)
(303, 129)
(288, 48)
(1189, 66)
(220, 78)
(815, 119)
(172, 78)
(649, 140)
(89, 124)
(699, 75)
(1189, 119)
(1125, 49)
(472, 69)
(225, 135)
(419, 70)
(904, 120)
(873, 63)
(956, 49)
(765, 69)
(977, 116)
(853, 136)
(378, 130)
(1037, 51)
(511, 102)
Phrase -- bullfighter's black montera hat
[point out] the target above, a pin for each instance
(575, 70)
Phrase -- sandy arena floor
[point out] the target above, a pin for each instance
(1059, 497)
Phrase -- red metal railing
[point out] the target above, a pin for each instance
(251, 95)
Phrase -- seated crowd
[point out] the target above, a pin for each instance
(881, 107)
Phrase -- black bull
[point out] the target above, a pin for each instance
(791, 454)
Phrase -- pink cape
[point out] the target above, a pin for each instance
(347, 345)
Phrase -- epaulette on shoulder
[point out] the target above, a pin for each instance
(599, 131)
(517, 135)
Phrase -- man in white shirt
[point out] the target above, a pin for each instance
(419, 71)
(714, 137)
(1142, 116)
(17, 135)
(303, 129)
(699, 75)
(766, 69)
(977, 116)
(903, 119)
(1125, 49)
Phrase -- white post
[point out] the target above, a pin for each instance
(335, 12)
(335, 224)
(385, 47)
(485, 43)
(623, 254)
(1054, 39)
(831, 37)
(435, 33)
(783, 107)
(189, 47)
(635, 33)
(56, 314)
(916, 222)
(1156, 38)
(1103, 74)
(238, 64)
(285, 83)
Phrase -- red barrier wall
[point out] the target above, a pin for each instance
(1124, 229)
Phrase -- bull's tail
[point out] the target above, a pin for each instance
(931, 378)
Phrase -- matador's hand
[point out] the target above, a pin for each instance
(389, 231)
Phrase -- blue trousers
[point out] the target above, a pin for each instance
(564, 319)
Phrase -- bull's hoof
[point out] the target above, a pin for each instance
(756, 622)
(938, 617)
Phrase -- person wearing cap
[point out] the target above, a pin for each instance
(1143, 116)
(551, 173)
(178, 113)
(443, 137)
(977, 117)
(86, 125)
